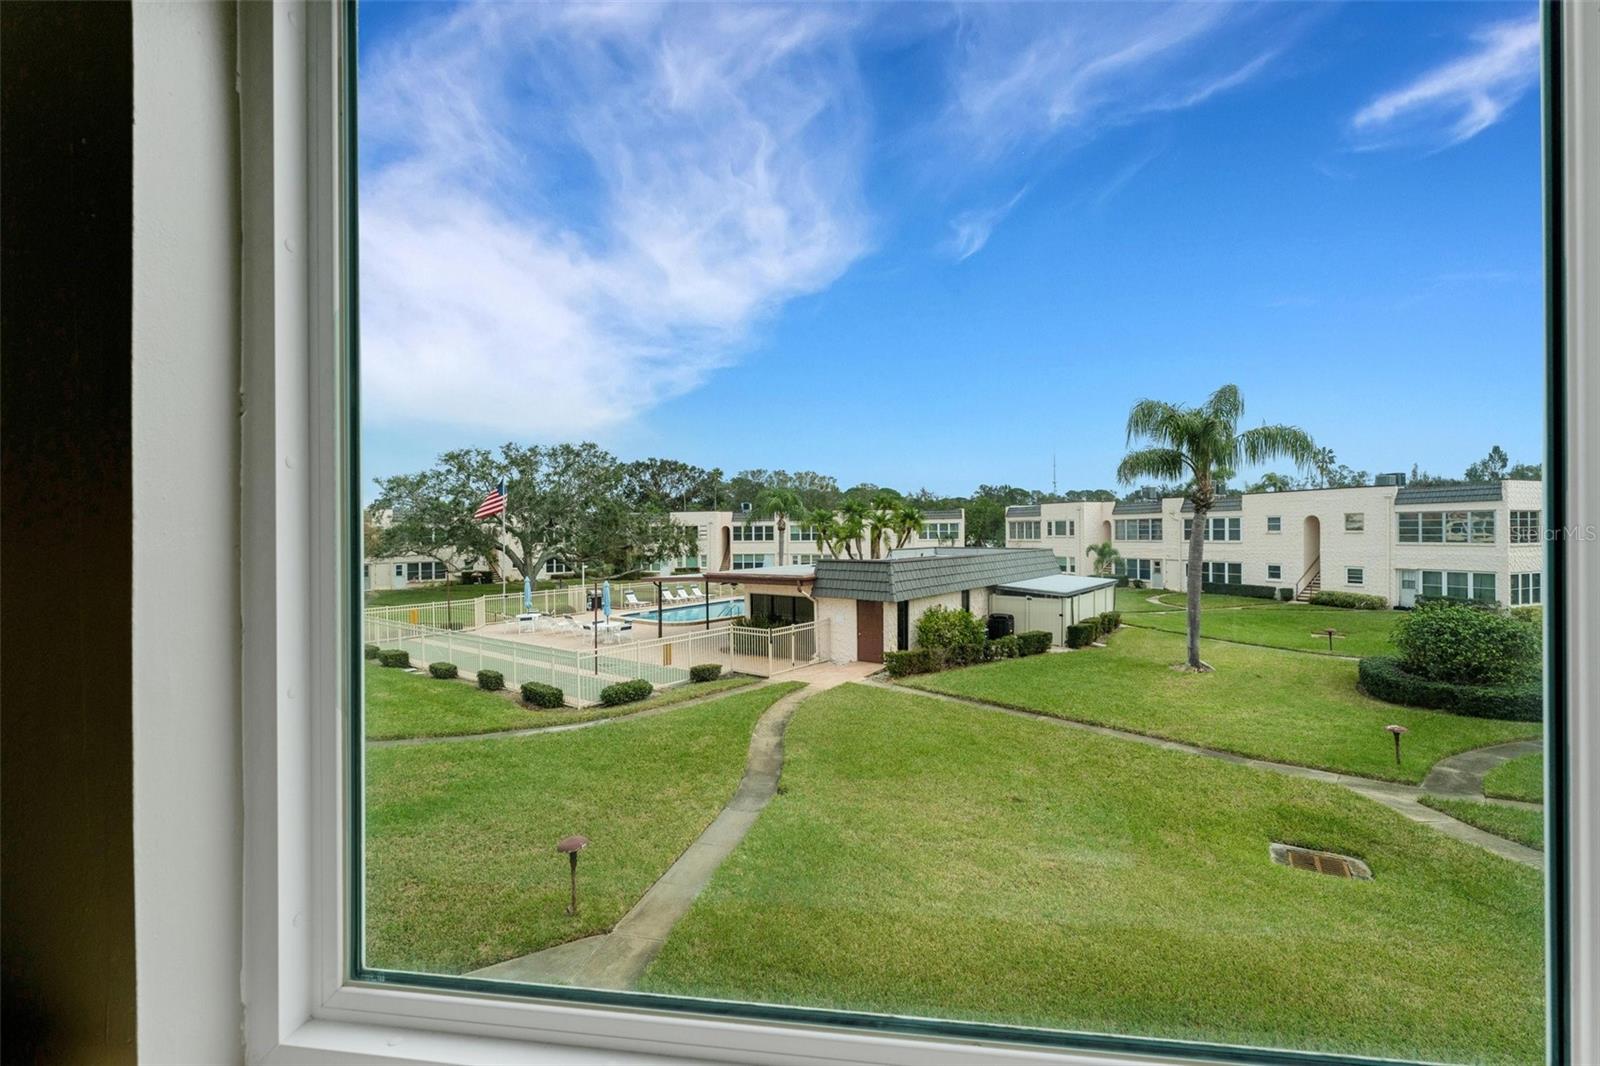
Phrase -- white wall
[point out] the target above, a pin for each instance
(186, 604)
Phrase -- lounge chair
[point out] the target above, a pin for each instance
(630, 600)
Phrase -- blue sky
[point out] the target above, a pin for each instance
(931, 246)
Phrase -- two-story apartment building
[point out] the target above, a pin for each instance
(1478, 540)
(731, 540)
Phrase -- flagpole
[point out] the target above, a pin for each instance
(505, 505)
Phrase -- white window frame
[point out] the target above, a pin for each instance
(1274, 523)
(295, 558)
(1360, 520)
(1274, 576)
(1355, 576)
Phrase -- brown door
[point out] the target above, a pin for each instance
(869, 631)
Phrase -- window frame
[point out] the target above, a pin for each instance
(298, 553)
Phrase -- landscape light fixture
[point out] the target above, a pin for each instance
(1398, 731)
(570, 846)
(1330, 633)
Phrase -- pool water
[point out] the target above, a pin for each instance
(692, 612)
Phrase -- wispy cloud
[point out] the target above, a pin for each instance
(970, 230)
(572, 213)
(1459, 99)
(1026, 74)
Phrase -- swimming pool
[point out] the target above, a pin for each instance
(692, 612)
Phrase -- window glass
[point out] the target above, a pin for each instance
(766, 346)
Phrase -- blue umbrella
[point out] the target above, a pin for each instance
(605, 599)
(527, 593)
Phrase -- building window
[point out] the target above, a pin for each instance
(1134, 569)
(802, 533)
(1355, 575)
(1274, 572)
(1459, 585)
(750, 562)
(1136, 529)
(754, 532)
(1446, 527)
(1061, 528)
(966, 599)
(1217, 528)
(1219, 573)
(941, 531)
(1525, 589)
(1022, 530)
(1525, 528)
(1274, 523)
(1354, 521)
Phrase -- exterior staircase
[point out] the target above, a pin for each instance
(1309, 589)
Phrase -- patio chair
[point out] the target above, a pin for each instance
(682, 595)
(630, 600)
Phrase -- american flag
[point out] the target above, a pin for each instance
(493, 504)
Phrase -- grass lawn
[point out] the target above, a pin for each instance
(1137, 601)
(1301, 709)
(1297, 627)
(1513, 823)
(1521, 778)
(930, 859)
(461, 869)
(402, 704)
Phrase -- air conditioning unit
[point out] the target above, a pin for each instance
(1393, 480)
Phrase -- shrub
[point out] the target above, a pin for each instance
(443, 671)
(370, 651)
(626, 692)
(491, 680)
(538, 694)
(1082, 634)
(705, 672)
(1384, 678)
(1286, 595)
(1533, 616)
(1109, 621)
(394, 657)
(906, 663)
(1261, 592)
(1464, 645)
(1355, 601)
(1034, 641)
(956, 636)
(1006, 647)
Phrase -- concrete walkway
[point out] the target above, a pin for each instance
(1462, 775)
(618, 959)
(1397, 797)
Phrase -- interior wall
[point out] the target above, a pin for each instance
(66, 758)
(188, 782)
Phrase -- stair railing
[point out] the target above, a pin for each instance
(1314, 570)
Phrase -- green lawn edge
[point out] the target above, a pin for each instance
(1517, 824)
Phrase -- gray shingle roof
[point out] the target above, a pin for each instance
(1470, 492)
(1223, 503)
(1023, 510)
(908, 576)
(943, 516)
(1137, 507)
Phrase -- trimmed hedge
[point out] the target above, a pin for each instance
(539, 694)
(906, 663)
(491, 680)
(1533, 615)
(443, 671)
(705, 672)
(1383, 678)
(1108, 621)
(370, 651)
(1355, 601)
(626, 692)
(1286, 595)
(1463, 645)
(1006, 647)
(1082, 634)
(1260, 592)
(394, 657)
(1034, 641)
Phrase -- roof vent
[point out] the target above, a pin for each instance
(1322, 862)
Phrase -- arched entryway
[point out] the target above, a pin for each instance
(1310, 554)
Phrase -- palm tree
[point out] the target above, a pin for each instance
(906, 523)
(1105, 557)
(881, 516)
(1203, 446)
(852, 526)
(780, 503)
(1323, 461)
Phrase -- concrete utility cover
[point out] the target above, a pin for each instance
(1322, 862)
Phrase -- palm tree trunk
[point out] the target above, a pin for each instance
(783, 524)
(1197, 540)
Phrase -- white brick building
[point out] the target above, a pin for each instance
(1479, 540)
